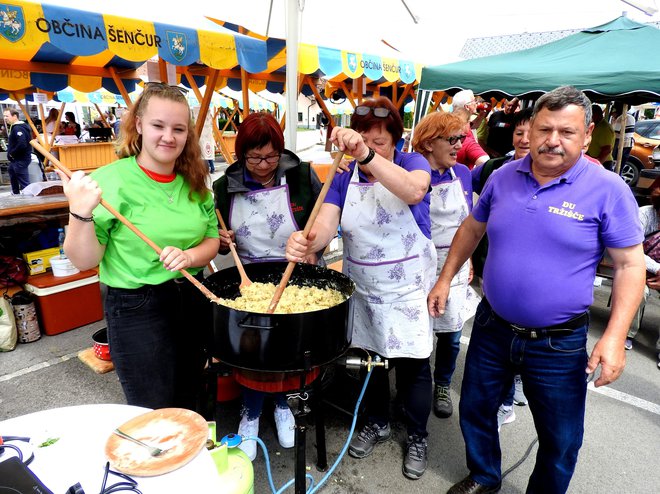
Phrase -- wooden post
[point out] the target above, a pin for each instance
(349, 94)
(193, 85)
(25, 112)
(162, 71)
(206, 101)
(56, 130)
(120, 85)
(622, 135)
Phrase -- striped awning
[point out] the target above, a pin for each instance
(49, 47)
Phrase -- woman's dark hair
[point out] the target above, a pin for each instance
(393, 122)
(257, 131)
(70, 116)
(523, 116)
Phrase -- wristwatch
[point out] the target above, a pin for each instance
(369, 157)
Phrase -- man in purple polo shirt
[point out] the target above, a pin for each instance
(549, 218)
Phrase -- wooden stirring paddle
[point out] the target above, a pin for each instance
(308, 226)
(245, 281)
(207, 293)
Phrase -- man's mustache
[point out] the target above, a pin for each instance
(548, 150)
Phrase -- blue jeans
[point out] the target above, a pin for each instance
(553, 370)
(157, 335)
(253, 402)
(446, 352)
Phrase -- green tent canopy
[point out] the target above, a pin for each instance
(614, 61)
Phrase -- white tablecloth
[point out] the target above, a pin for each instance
(79, 454)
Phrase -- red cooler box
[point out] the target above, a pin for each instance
(66, 302)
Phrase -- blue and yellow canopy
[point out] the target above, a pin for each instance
(50, 47)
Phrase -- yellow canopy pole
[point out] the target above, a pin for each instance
(230, 119)
(321, 103)
(121, 87)
(349, 93)
(49, 143)
(219, 138)
(162, 71)
(404, 95)
(56, 130)
(395, 95)
(193, 85)
(206, 101)
(230, 116)
(104, 120)
(245, 86)
(224, 150)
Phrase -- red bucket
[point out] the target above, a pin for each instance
(101, 347)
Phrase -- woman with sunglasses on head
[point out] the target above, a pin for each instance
(439, 137)
(265, 196)
(383, 207)
(157, 321)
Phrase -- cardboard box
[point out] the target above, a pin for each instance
(38, 261)
(66, 302)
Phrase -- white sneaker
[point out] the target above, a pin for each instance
(519, 397)
(248, 428)
(505, 415)
(286, 427)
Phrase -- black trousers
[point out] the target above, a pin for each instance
(414, 389)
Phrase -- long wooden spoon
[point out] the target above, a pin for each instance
(207, 293)
(308, 226)
(245, 281)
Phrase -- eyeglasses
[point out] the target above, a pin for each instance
(162, 86)
(453, 139)
(378, 111)
(271, 160)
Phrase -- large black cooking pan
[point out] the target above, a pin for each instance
(278, 342)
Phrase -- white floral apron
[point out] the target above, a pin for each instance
(448, 210)
(262, 221)
(392, 264)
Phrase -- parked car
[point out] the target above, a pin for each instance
(647, 137)
(649, 179)
(654, 159)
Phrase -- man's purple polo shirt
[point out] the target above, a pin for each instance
(407, 161)
(545, 242)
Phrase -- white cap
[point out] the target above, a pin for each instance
(462, 98)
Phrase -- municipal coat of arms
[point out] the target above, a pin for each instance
(12, 22)
(352, 61)
(178, 45)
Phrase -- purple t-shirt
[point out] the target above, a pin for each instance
(407, 161)
(545, 242)
(464, 176)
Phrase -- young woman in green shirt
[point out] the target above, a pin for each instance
(158, 322)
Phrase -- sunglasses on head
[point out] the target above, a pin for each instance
(378, 111)
(453, 139)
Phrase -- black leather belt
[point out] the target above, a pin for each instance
(561, 329)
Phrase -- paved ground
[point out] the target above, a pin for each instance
(619, 455)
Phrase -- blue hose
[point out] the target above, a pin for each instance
(350, 435)
(312, 489)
